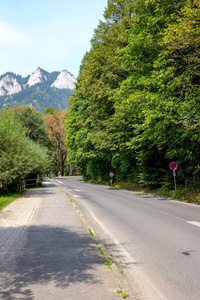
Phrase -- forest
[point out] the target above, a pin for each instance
(136, 105)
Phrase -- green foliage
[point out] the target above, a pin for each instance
(91, 233)
(54, 121)
(19, 155)
(123, 293)
(136, 104)
(108, 263)
(33, 121)
(50, 109)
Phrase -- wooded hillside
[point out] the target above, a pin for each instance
(136, 106)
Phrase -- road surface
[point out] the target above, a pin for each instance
(155, 241)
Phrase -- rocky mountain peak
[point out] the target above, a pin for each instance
(9, 85)
(65, 80)
(40, 89)
(37, 77)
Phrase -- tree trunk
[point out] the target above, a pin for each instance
(18, 184)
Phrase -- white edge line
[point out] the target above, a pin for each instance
(58, 181)
(194, 223)
(154, 290)
(113, 238)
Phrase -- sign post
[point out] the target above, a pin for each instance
(111, 177)
(173, 166)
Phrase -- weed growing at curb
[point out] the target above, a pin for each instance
(101, 251)
(108, 263)
(123, 293)
(91, 233)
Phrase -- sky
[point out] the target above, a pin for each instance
(51, 34)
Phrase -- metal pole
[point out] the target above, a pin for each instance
(174, 173)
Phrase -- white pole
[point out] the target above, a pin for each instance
(174, 173)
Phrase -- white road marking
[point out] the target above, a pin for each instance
(194, 223)
(113, 238)
(59, 181)
(77, 196)
(147, 287)
(77, 190)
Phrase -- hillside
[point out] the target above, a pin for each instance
(40, 89)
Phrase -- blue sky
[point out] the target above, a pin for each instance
(53, 35)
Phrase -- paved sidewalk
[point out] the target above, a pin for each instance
(46, 251)
(15, 217)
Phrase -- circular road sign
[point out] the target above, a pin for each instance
(112, 174)
(173, 166)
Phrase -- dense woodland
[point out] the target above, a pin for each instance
(136, 106)
(31, 144)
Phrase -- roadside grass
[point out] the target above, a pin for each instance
(189, 195)
(8, 197)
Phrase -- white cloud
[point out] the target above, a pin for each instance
(10, 36)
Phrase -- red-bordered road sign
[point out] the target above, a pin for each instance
(173, 166)
(112, 174)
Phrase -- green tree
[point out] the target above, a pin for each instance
(54, 125)
(19, 156)
(175, 79)
(102, 71)
(32, 121)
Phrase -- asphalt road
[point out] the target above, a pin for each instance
(156, 241)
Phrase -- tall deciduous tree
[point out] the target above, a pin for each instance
(54, 121)
(102, 71)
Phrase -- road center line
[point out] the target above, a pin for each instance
(194, 223)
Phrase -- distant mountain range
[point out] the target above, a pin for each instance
(40, 89)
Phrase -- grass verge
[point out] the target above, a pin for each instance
(8, 197)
